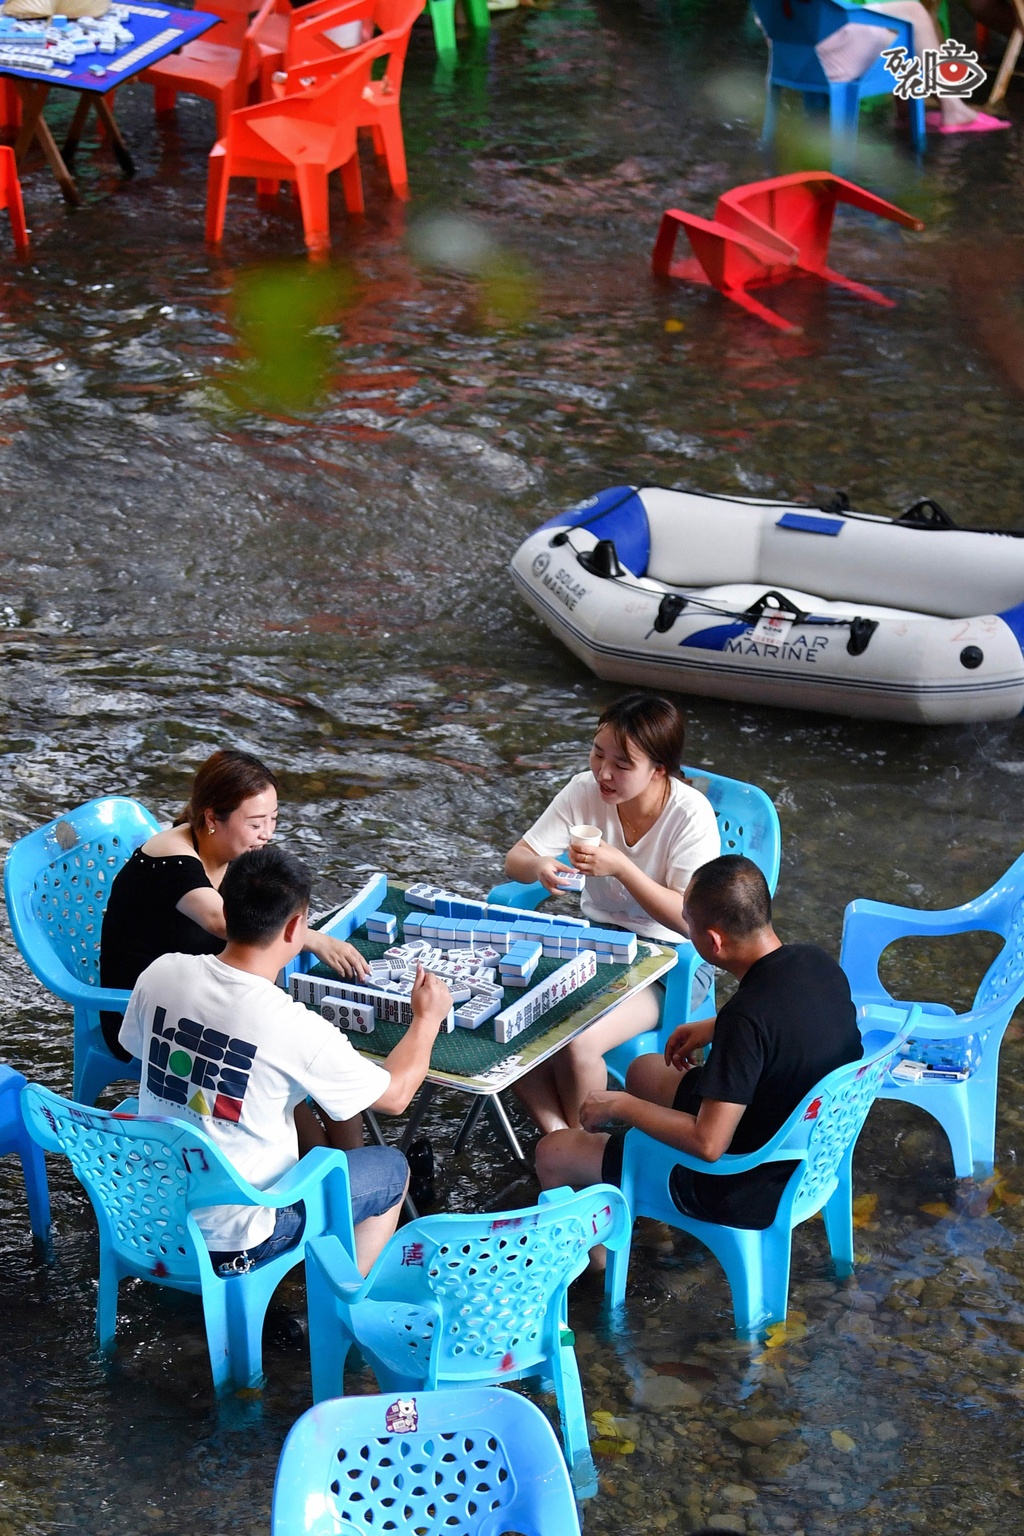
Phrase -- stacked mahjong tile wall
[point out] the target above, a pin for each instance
(470, 1052)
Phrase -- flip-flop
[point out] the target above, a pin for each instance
(983, 123)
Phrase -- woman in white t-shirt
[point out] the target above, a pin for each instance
(656, 831)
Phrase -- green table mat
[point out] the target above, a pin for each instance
(472, 1052)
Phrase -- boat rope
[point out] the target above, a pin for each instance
(676, 601)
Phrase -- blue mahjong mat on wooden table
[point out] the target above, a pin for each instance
(158, 30)
(473, 1053)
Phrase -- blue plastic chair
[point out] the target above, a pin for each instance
(793, 27)
(56, 881)
(748, 823)
(819, 1136)
(475, 1462)
(467, 1299)
(145, 1176)
(14, 1137)
(970, 1041)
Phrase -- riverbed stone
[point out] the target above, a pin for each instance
(773, 1461)
(760, 1432)
(739, 1493)
(656, 1393)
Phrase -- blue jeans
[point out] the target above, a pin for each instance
(287, 1231)
(376, 1177)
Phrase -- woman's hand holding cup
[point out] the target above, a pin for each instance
(584, 840)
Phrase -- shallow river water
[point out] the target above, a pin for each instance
(329, 588)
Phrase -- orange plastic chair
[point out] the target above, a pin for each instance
(769, 231)
(219, 73)
(10, 198)
(300, 138)
(313, 54)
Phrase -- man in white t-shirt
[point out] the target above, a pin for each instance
(224, 1047)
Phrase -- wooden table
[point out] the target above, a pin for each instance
(158, 30)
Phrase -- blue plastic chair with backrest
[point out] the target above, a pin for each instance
(14, 1137)
(966, 1042)
(748, 823)
(456, 1300)
(794, 27)
(145, 1177)
(56, 881)
(820, 1136)
(474, 1462)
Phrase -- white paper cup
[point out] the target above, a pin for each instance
(584, 836)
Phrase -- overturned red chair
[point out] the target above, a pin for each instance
(767, 232)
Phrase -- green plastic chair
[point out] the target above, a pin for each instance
(442, 15)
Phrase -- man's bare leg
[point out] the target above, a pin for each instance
(314, 1128)
(570, 1157)
(373, 1233)
(573, 1157)
(649, 1078)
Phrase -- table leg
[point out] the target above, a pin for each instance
(423, 1102)
(106, 117)
(48, 144)
(33, 98)
(1010, 57)
(77, 125)
(377, 1137)
(501, 1115)
(468, 1125)
(34, 126)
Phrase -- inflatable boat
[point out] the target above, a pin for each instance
(769, 602)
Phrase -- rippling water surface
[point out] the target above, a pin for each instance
(330, 589)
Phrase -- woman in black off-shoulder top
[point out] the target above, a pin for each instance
(166, 899)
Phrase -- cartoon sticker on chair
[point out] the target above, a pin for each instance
(401, 1417)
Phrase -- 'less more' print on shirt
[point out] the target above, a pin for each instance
(199, 1068)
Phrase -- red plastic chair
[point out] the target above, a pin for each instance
(10, 104)
(235, 18)
(300, 138)
(10, 198)
(312, 54)
(219, 73)
(310, 36)
(768, 231)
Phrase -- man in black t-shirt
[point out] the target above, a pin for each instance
(790, 1023)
